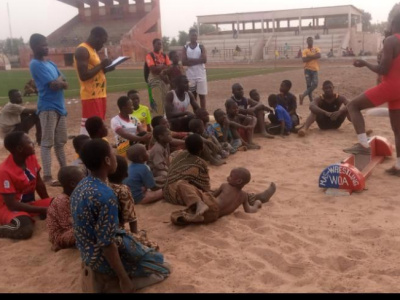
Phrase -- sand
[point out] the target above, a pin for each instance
(302, 241)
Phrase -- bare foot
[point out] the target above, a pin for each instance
(217, 162)
(268, 136)
(253, 147)
(194, 218)
(201, 208)
(302, 133)
(301, 98)
(242, 148)
(266, 195)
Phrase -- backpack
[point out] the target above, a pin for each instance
(146, 69)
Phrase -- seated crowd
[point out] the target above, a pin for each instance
(165, 157)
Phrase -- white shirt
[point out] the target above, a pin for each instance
(180, 106)
(130, 126)
(196, 71)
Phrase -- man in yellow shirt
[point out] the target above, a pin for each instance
(91, 73)
(311, 55)
(140, 112)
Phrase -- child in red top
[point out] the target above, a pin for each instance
(19, 179)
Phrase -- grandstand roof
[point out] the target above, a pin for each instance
(281, 14)
(71, 2)
(75, 3)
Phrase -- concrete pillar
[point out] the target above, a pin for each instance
(268, 26)
(244, 26)
(94, 10)
(288, 23)
(299, 25)
(262, 26)
(140, 6)
(107, 5)
(233, 26)
(125, 6)
(81, 9)
(273, 25)
(254, 25)
(349, 20)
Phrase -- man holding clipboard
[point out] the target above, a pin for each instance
(91, 72)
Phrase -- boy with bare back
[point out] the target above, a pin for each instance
(230, 195)
(188, 184)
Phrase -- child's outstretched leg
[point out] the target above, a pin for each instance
(267, 194)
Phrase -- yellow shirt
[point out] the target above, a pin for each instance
(95, 87)
(143, 115)
(312, 65)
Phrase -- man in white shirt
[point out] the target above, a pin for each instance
(194, 56)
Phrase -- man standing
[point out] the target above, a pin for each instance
(388, 91)
(311, 55)
(51, 107)
(91, 72)
(157, 63)
(194, 56)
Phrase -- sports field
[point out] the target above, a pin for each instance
(118, 81)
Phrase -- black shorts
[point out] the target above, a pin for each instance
(325, 123)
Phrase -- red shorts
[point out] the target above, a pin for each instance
(243, 134)
(6, 215)
(94, 107)
(385, 93)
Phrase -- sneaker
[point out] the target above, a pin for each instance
(393, 171)
(358, 149)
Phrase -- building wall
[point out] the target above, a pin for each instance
(372, 42)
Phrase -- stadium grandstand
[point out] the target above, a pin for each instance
(280, 34)
(131, 27)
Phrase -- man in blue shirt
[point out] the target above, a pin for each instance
(284, 123)
(51, 107)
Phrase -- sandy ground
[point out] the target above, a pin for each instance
(302, 241)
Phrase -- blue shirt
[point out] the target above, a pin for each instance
(139, 176)
(218, 132)
(94, 209)
(43, 73)
(283, 115)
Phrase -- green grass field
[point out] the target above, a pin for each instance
(118, 81)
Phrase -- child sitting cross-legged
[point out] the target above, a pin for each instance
(140, 179)
(283, 124)
(59, 218)
(159, 154)
(126, 207)
(212, 150)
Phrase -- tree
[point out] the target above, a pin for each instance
(183, 38)
(12, 45)
(379, 27)
(166, 43)
(366, 21)
(205, 28)
(174, 42)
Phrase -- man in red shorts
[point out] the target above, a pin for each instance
(91, 73)
(388, 91)
(19, 179)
